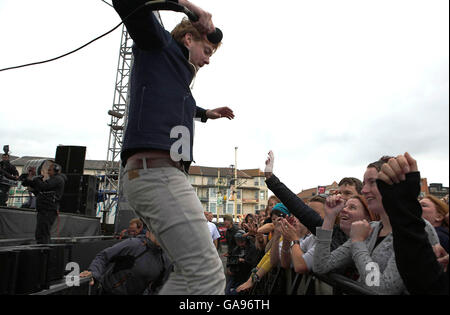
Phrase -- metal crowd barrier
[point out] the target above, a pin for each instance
(286, 282)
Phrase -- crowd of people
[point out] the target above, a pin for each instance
(378, 232)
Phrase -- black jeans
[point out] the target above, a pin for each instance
(44, 222)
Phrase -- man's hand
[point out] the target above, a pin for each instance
(395, 169)
(87, 274)
(269, 165)
(204, 24)
(219, 113)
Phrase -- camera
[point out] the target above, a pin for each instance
(233, 260)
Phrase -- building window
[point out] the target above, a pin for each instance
(256, 181)
(239, 192)
(263, 181)
(210, 180)
(256, 194)
(262, 195)
(213, 207)
(256, 208)
(212, 192)
(192, 179)
(238, 208)
(230, 208)
(262, 207)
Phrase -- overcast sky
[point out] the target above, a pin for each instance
(329, 86)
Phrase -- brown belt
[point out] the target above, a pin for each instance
(153, 163)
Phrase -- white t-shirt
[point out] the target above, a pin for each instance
(308, 245)
(213, 230)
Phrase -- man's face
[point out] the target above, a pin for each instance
(51, 170)
(228, 224)
(132, 229)
(5, 157)
(347, 191)
(199, 52)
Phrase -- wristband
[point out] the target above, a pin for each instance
(295, 242)
(255, 278)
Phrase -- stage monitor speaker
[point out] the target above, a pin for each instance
(71, 159)
(73, 184)
(70, 203)
(88, 201)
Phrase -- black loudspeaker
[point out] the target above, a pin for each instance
(9, 260)
(32, 270)
(73, 184)
(70, 203)
(71, 159)
(88, 201)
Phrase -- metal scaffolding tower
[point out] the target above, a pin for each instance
(119, 114)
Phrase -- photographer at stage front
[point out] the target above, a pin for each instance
(48, 188)
(240, 263)
(8, 171)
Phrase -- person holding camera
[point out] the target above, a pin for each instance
(48, 189)
(134, 266)
(240, 263)
(8, 171)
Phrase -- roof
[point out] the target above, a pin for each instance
(307, 193)
(214, 171)
(254, 172)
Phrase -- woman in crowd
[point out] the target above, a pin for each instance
(434, 211)
(370, 246)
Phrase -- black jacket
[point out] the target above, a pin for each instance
(8, 170)
(160, 94)
(416, 261)
(242, 270)
(49, 192)
(151, 267)
(229, 235)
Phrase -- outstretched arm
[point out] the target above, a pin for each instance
(307, 216)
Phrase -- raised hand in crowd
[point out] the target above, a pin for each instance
(333, 206)
(269, 165)
(395, 169)
(360, 231)
(290, 231)
(441, 255)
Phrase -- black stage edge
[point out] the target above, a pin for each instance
(18, 223)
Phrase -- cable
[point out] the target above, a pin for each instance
(81, 47)
(66, 54)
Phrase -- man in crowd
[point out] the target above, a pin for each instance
(349, 186)
(135, 228)
(229, 235)
(242, 260)
(48, 188)
(134, 266)
(8, 171)
(212, 229)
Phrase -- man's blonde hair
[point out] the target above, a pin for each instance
(185, 27)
